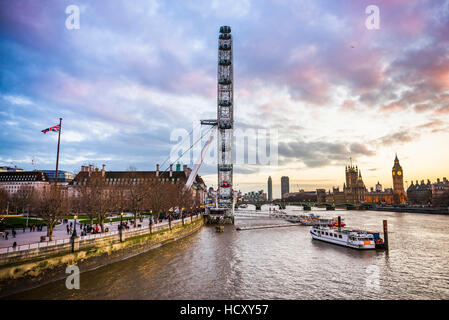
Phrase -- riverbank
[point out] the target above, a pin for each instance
(23, 270)
(414, 210)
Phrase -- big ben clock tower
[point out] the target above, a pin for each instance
(398, 182)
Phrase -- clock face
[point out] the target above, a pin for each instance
(399, 173)
(394, 172)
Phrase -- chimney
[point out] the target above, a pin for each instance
(438, 180)
(186, 170)
(103, 170)
(157, 170)
(171, 170)
(444, 180)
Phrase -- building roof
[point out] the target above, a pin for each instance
(129, 175)
(18, 176)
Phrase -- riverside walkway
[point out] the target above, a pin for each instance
(60, 233)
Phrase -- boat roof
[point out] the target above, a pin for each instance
(346, 231)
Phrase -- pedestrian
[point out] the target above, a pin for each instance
(67, 227)
(6, 235)
(70, 230)
(14, 245)
(13, 233)
(30, 228)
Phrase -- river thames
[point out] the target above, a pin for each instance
(279, 263)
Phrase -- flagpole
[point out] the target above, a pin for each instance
(57, 155)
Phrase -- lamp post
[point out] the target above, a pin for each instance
(121, 226)
(74, 235)
(151, 221)
(169, 218)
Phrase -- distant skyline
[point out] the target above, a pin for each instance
(137, 70)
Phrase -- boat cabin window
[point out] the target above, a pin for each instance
(339, 236)
(326, 233)
(335, 235)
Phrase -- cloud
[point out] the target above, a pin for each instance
(442, 110)
(393, 106)
(18, 100)
(320, 154)
(134, 72)
(400, 137)
(431, 124)
(423, 107)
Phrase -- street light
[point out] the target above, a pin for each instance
(74, 235)
(121, 227)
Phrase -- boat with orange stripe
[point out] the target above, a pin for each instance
(356, 239)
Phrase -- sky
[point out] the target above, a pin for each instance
(135, 71)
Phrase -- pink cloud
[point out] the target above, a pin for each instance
(442, 110)
(394, 106)
(348, 106)
(423, 107)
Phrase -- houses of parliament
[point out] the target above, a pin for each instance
(354, 190)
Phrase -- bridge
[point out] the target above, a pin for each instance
(307, 206)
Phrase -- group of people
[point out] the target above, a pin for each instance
(14, 232)
(35, 228)
(84, 228)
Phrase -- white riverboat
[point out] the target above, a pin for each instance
(356, 239)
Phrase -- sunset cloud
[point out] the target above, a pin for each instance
(135, 71)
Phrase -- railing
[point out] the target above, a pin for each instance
(37, 245)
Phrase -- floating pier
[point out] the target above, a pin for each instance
(266, 227)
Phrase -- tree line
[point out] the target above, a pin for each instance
(97, 199)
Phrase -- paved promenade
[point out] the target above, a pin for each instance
(60, 232)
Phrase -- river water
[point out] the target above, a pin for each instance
(279, 263)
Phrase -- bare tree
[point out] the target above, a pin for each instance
(182, 198)
(23, 197)
(4, 198)
(51, 204)
(136, 194)
(158, 197)
(104, 199)
(96, 198)
(84, 201)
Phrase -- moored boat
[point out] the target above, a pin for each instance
(356, 239)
